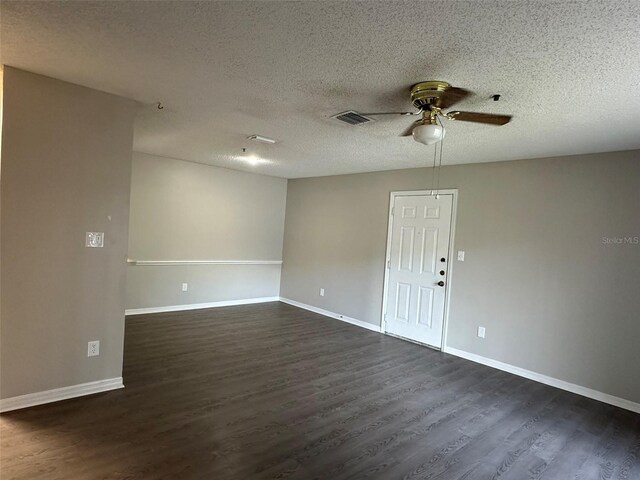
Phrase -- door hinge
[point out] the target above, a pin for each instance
(393, 211)
(388, 264)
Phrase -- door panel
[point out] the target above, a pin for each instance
(428, 252)
(407, 237)
(419, 252)
(404, 302)
(425, 306)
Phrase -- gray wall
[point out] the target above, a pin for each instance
(554, 298)
(66, 165)
(186, 211)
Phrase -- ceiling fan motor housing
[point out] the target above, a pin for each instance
(424, 94)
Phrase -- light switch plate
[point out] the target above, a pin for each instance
(461, 255)
(94, 239)
(481, 332)
(185, 287)
(322, 292)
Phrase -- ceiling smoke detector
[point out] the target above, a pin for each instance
(352, 118)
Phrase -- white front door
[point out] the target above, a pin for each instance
(418, 260)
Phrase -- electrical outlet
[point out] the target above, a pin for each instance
(185, 287)
(481, 332)
(461, 255)
(93, 349)
(322, 292)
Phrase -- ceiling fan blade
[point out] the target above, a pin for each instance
(477, 117)
(409, 131)
(450, 97)
(390, 113)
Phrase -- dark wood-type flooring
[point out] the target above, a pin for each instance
(272, 391)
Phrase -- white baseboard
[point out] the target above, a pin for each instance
(554, 382)
(196, 306)
(337, 316)
(57, 394)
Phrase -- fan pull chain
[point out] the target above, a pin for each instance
(433, 170)
(440, 161)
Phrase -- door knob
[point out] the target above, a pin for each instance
(440, 283)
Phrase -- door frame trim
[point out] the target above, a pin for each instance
(387, 258)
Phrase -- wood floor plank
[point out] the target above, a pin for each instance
(272, 391)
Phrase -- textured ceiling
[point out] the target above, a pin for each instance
(569, 72)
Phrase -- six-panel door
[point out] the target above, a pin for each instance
(418, 262)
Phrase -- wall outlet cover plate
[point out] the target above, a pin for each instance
(93, 348)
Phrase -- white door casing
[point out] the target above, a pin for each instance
(420, 230)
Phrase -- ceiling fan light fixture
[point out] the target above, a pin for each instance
(428, 134)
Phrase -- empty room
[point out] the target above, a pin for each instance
(320, 240)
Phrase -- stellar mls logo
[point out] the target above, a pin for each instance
(621, 240)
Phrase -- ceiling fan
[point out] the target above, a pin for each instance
(431, 98)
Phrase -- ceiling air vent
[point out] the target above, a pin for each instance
(352, 118)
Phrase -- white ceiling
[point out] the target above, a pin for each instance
(569, 72)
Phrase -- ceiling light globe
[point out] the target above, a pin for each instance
(428, 134)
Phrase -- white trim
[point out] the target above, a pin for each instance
(449, 282)
(387, 259)
(554, 382)
(57, 394)
(149, 263)
(449, 278)
(337, 316)
(197, 306)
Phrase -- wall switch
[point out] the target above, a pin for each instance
(185, 287)
(461, 255)
(93, 349)
(322, 292)
(481, 332)
(94, 239)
